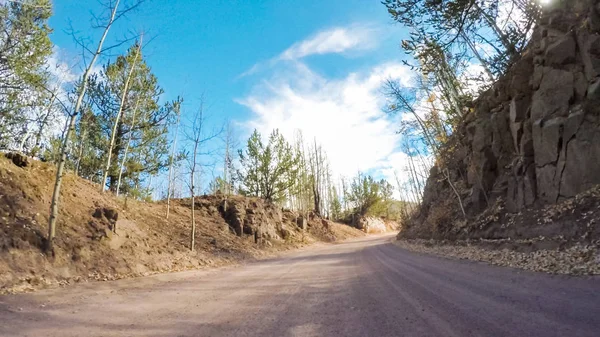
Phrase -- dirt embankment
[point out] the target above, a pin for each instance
(101, 237)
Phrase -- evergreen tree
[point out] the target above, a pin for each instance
(140, 138)
(268, 171)
(335, 204)
(24, 49)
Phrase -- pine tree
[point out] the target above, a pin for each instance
(140, 124)
(268, 171)
(24, 49)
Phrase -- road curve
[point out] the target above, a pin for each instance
(367, 287)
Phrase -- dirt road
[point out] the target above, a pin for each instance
(361, 288)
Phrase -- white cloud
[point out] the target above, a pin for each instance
(344, 115)
(335, 40)
(330, 41)
(59, 68)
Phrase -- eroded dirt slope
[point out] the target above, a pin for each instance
(86, 248)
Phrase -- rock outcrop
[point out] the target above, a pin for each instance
(258, 218)
(18, 159)
(531, 140)
(370, 225)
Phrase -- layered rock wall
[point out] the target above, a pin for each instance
(534, 138)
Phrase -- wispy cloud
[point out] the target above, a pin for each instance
(59, 68)
(358, 37)
(335, 40)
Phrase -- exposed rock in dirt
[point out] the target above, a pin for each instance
(100, 237)
(247, 215)
(376, 225)
(108, 215)
(531, 140)
(301, 222)
(18, 159)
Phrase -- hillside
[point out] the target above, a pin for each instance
(86, 248)
(524, 160)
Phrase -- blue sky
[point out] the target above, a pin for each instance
(310, 65)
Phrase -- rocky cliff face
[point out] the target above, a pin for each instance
(533, 139)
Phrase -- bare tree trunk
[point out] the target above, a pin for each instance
(447, 176)
(63, 157)
(171, 162)
(315, 168)
(39, 134)
(80, 154)
(119, 113)
(226, 160)
(193, 193)
(499, 33)
(197, 139)
(483, 62)
(403, 210)
(23, 140)
(127, 146)
(193, 233)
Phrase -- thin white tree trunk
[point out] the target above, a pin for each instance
(483, 62)
(171, 162)
(499, 33)
(118, 117)
(127, 146)
(462, 209)
(39, 134)
(54, 205)
(24, 140)
(197, 139)
(80, 154)
(193, 192)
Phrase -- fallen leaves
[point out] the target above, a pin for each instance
(579, 259)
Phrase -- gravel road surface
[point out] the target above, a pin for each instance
(366, 287)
